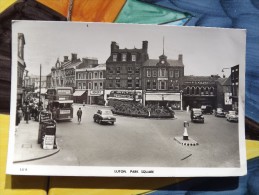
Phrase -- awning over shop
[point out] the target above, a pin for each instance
(163, 97)
(64, 101)
(78, 93)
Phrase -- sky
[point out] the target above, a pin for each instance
(205, 51)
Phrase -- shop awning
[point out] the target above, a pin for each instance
(78, 93)
(64, 101)
(163, 97)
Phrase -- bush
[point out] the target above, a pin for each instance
(135, 109)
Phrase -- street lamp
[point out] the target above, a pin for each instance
(181, 99)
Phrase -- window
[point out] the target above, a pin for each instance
(118, 70)
(101, 85)
(171, 86)
(154, 85)
(197, 91)
(162, 72)
(148, 84)
(130, 70)
(137, 70)
(154, 73)
(176, 87)
(90, 75)
(89, 85)
(101, 74)
(171, 73)
(137, 83)
(177, 74)
(124, 57)
(84, 85)
(114, 57)
(133, 57)
(110, 70)
(118, 83)
(79, 86)
(129, 83)
(95, 86)
(162, 85)
(148, 73)
(110, 84)
(96, 75)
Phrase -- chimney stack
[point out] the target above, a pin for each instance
(114, 46)
(74, 57)
(65, 58)
(180, 58)
(145, 45)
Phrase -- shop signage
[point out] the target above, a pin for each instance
(96, 92)
(228, 100)
(48, 142)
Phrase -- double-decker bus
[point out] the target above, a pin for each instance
(60, 102)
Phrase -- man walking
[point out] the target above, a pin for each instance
(79, 115)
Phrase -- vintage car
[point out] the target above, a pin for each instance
(104, 115)
(232, 116)
(206, 109)
(196, 115)
(220, 112)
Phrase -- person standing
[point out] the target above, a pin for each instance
(79, 115)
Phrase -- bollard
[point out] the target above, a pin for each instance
(185, 133)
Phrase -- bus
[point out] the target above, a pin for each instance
(60, 102)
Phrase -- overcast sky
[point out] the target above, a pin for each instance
(205, 51)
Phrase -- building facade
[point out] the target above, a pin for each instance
(20, 69)
(199, 90)
(224, 93)
(235, 86)
(162, 81)
(124, 69)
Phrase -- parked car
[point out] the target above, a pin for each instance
(206, 109)
(220, 112)
(104, 116)
(232, 116)
(196, 115)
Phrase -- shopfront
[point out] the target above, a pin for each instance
(164, 99)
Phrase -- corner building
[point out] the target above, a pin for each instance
(124, 72)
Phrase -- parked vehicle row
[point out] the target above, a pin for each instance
(197, 114)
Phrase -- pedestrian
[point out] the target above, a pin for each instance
(79, 115)
(27, 114)
(20, 113)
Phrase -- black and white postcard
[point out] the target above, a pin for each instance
(99, 99)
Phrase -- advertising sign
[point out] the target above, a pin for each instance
(48, 142)
(227, 99)
(96, 92)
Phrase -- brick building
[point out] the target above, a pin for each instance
(199, 90)
(235, 86)
(224, 93)
(124, 69)
(20, 68)
(162, 81)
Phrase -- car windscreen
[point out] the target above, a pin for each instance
(107, 112)
(197, 111)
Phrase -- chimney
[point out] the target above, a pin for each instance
(145, 45)
(65, 58)
(74, 57)
(180, 58)
(114, 46)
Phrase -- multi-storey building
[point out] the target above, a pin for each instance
(58, 74)
(224, 93)
(90, 84)
(124, 69)
(235, 86)
(162, 81)
(199, 90)
(20, 68)
(48, 81)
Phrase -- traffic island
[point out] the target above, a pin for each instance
(185, 139)
(189, 142)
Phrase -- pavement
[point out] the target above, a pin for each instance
(26, 145)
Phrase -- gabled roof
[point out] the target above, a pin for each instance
(153, 62)
(224, 81)
(200, 78)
